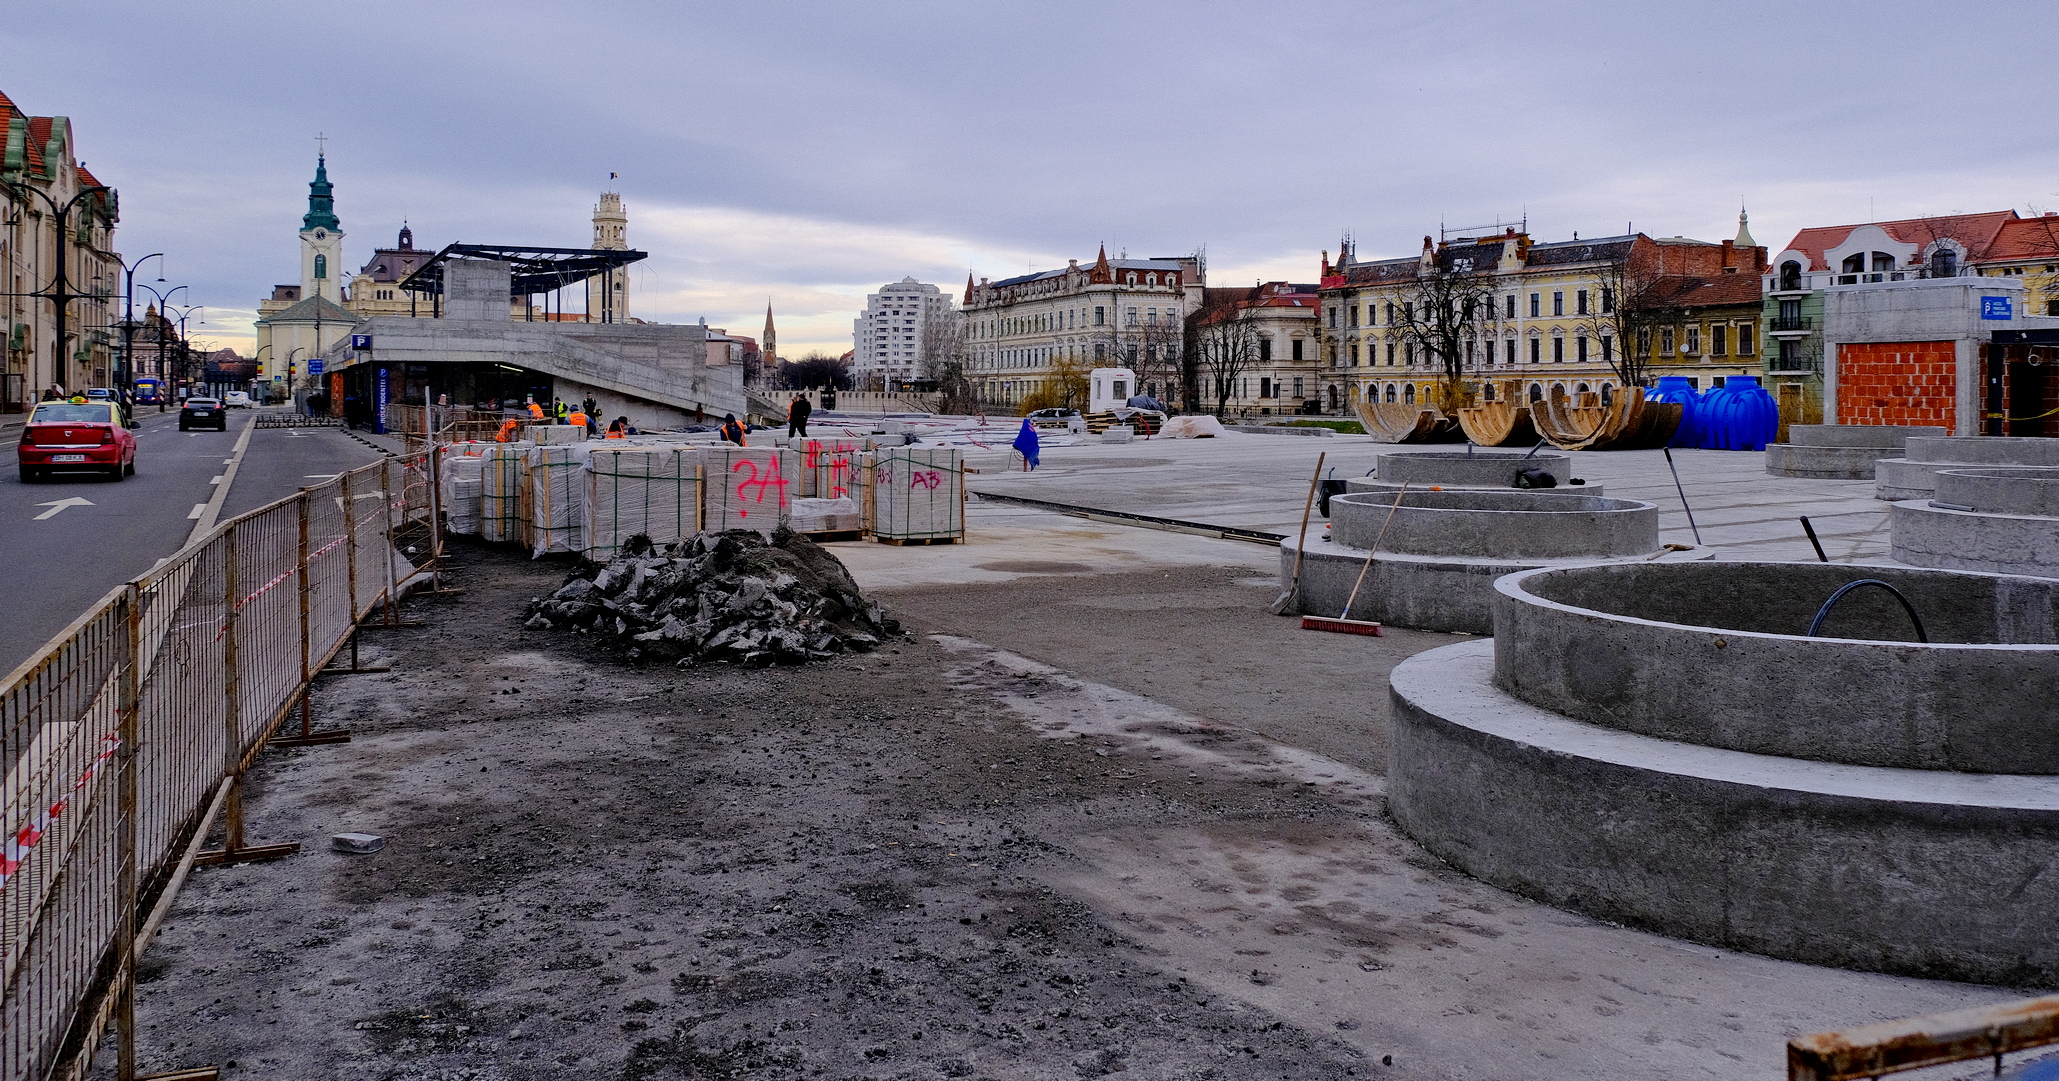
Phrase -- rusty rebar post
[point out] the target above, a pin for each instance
(232, 694)
(300, 570)
(128, 804)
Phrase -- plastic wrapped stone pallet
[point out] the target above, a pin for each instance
(504, 474)
(838, 515)
(652, 490)
(554, 498)
(748, 487)
(829, 468)
(918, 493)
(553, 434)
(462, 486)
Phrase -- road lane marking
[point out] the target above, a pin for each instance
(198, 510)
(58, 505)
(217, 480)
(204, 521)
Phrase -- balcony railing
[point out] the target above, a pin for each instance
(1788, 322)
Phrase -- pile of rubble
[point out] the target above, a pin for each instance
(719, 596)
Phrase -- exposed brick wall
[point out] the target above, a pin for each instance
(1897, 383)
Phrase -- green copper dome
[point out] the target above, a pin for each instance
(321, 204)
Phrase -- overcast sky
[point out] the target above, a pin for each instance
(811, 152)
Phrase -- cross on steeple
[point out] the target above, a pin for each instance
(321, 144)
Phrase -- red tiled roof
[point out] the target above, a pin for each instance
(86, 179)
(2025, 238)
(1715, 292)
(39, 136)
(1977, 231)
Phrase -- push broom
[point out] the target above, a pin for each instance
(1300, 546)
(1344, 624)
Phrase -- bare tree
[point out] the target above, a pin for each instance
(814, 371)
(943, 362)
(1451, 301)
(1223, 334)
(1635, 302)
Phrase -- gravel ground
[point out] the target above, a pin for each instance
(600, 870)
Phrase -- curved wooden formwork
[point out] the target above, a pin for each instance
(1504, 422)
(1583, 422)
(1393, 422)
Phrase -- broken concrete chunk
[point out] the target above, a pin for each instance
(357, 842)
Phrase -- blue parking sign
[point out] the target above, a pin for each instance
(361, 341)
(1996, 308)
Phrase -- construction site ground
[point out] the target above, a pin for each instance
(1101, 814)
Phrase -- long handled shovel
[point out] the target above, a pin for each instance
(1343, 624)
(1301, 546)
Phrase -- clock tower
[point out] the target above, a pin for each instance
(321, 240)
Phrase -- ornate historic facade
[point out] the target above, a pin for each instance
(39, 177)
(1128, 313)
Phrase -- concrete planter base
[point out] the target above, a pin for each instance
(1930, 536)
(1838, 451)
(1917, 872)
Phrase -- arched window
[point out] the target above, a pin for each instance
(1488, 392)
(321, 267)
(1855, 264)
(1408, 394)
(1536, 393)
(1944, 263)
(1392, 393)
(1580, 389)
(1791, 275)
(1883, 262)
(1132, 279)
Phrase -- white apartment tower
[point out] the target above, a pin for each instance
(888, 337)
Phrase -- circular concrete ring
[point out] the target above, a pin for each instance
(1480, 469)
(1922, 873)
(1983, 449)
(1925, 533)
(2021, 489)
(1717, 654)
(1888, 436)
(1484, 524)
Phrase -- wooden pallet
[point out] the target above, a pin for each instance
(824, 536)
(920, 540)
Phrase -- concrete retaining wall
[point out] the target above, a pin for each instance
(1839, 451)
(1497, 525)
(1931, 874)
(1715, 654)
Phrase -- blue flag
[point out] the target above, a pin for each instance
(1026, 443)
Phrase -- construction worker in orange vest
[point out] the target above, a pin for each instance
(576, 418)
(508, 428)
(535, 411)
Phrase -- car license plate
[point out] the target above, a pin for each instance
(67, 458)
(202, 413)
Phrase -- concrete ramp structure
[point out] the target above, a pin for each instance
(470, 345)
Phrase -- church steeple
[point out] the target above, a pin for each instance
(1744, 231)
(321, 200)
(769, 348)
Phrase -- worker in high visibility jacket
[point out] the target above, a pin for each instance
(618, 428)
(562, 411)
(508, 428)
(577, 419)
(535, 411)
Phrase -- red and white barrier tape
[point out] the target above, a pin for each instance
(275, 582)
(18, 846)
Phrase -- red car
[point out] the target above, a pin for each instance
(69, 435)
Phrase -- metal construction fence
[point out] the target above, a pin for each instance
(127, 736)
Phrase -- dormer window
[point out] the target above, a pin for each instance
(1790, 276)
(1944, 263)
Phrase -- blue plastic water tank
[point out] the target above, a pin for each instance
(1676, 388)
(1739, 415)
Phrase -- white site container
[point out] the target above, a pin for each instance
(1109, 388)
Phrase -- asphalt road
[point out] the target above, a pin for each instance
(57, 567)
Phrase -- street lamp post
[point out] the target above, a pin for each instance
(128, 373)
(59, 293)
(162, 320)
(185, 348)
